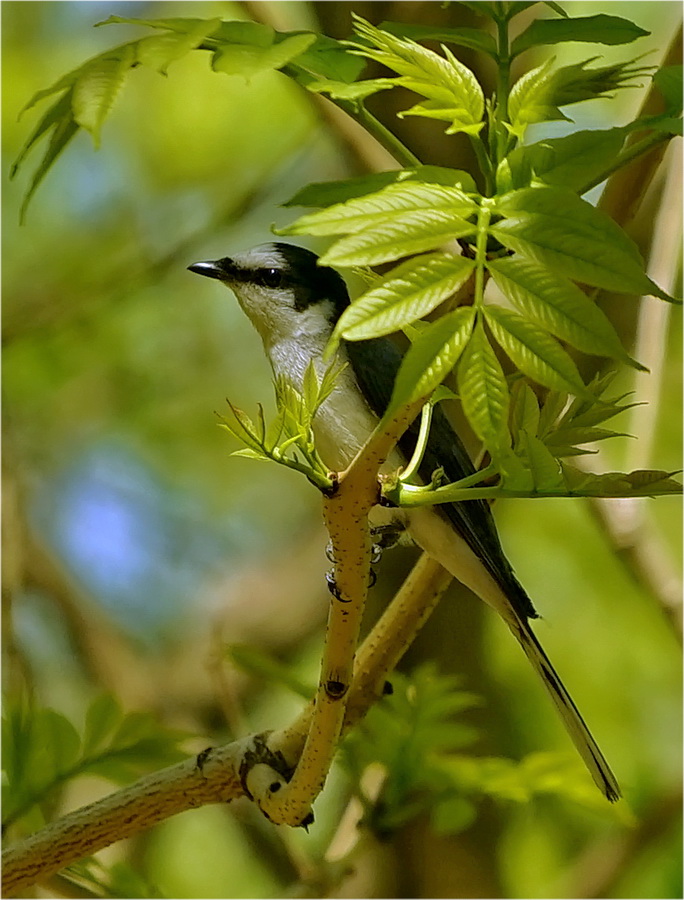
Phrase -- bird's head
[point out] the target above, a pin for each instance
(281, 288)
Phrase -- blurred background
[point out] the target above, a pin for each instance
(136, 550)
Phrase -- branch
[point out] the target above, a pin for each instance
(216, 779)
(283, 796)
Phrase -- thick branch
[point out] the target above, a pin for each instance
(187, 786)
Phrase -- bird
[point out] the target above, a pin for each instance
(294, 303)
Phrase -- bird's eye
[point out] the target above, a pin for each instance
(271, 278)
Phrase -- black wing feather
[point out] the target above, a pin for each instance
(472, 519)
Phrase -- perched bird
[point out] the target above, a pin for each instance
(294, 304)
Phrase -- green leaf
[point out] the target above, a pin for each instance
(557, 229)
(640, 483)
(432, 356)
(160, 50)
(96, 88)
(537, 96)
(57, 736)
(409, 292)
(257, 663)
(545, 468)
(391, 205)
(599, 29)
(102, 718)
(452, 90)
(559, 306)
(327, 58)
(326, 193)
(532, 99)
(473, 38)
(56, 115)
(409, 234)
(669, 83)
(484, 394)
(249, 60)
(533, 350)
(524, 409)
(453, 815)
(572, 161)
(358, 90)
(64, 130)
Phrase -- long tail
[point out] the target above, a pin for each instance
(577, 729)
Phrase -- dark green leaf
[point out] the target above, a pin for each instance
(408, 292)
(599, 29)
(432, 356)
(58, 113)
(257, 663)
(58, 738)
(571, 161)
(64, 131)
(102, 718)
(669, 83)
(641, 483)
(558, 305)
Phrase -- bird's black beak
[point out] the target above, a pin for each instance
(210, 268)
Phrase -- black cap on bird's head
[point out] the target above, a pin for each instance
(288, 274)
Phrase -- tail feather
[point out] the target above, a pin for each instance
(572, 719)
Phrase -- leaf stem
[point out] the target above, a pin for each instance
(389, 141)
(637, 149)
(503, 78)
(421, 444)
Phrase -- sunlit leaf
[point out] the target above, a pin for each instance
(358, 90)
(410, 291)
(484, 393)
(533, 350)
(558, 305)
(473, 38)
(447, 84)
(411, 233)
(392, 204)
(248, 60)
(160, 50)
(554, 227)
(96, 88)
(432, 356)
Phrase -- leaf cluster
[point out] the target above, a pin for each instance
(289, 438)
(42, 751)
(519, 225)
(87, 93)
(417, 744)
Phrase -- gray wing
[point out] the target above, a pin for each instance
(472, 519)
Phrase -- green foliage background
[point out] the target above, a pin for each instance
(137, 549)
